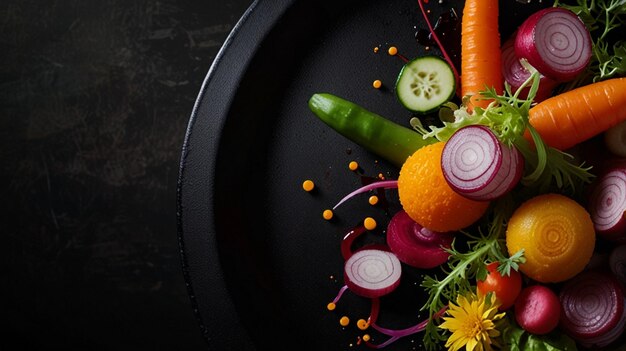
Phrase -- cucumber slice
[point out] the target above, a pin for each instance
(425, 83)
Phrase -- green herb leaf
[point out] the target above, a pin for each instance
(507, 117)
(512, 262)
(517, 339)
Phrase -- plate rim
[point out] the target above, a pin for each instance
(252, 27)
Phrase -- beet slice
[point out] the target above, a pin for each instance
(415, 245)
(592, 308)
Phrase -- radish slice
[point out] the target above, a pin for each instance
(415, 245)
(478, 166)
(607, 204)
(516, 74)
(372, 273)
(592, 305)
(556, 42)
(617, 263)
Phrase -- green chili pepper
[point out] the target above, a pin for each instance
(389, 140)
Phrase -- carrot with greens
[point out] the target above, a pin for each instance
(567, 119)
(480, 51)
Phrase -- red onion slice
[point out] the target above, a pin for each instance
(556, 42)
(372, 273)
(516, 74)
(349, 238)
(385, 184)
(415, 245)
(592, 305)
(607, 204)
(478, 166)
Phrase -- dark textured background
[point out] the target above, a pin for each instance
(95, 98)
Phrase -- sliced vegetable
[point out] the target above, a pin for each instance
(605, 19)
(515, 74)
(425, 83)
(480, 50)
(435, 37)
(592, 306)
(505, 287)
(383, 184)
(607, 204)
(400, 333)
(379, 135)
(617, 263)
(348, 241)
(478, 166)
(508, 119)
(372, 273)
(415, 245)
(570, 118)
(556, 42)
(537, 309)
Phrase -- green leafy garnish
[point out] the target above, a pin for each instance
(507, 117)
(466, 265)
(511, 262)
(517, 339)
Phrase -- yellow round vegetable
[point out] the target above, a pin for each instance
(556, 234)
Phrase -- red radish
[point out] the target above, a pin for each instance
(556, 42)
(372, 273)
(607, 203)
(617, 263)
(415, 245)
(537, 309)
(478, 166)
(592, 308)
(515, 74)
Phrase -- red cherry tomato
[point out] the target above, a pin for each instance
(506, 288)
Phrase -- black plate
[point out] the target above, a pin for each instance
(260, 262)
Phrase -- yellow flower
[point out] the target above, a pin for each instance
(472, 323)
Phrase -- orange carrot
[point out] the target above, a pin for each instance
(567, 119)
(480, 50)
